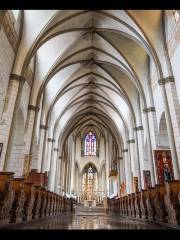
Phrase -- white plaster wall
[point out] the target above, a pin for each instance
(6, 61)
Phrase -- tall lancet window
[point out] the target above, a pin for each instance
(90, 144)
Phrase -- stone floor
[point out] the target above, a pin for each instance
(73, 221)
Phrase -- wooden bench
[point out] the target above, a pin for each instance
(7, 196)
(171, 201)
(18, 204)
(29, 201)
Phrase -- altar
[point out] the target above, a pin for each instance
(90, 203)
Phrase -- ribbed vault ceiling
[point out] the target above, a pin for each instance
(91, 66)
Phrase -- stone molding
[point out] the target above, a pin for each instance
(51, 140)
(125, 150)
(150, 109)
(139, 128)
(43, 127)
(10, 31)
(33, 108)
(16, 77)
(165, 80)
(131, 141)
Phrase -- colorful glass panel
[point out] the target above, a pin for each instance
(90, 145)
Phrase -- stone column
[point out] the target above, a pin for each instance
(170, 130)
(150, 151)
(46, 158)
(174, 108)
(107, 166)
(58, 183)
(121, 169)
(72, 166)
(37, 164)
(29, 128)
(128, 170)
(139, 135)
(52, 171)
(132, 143)
(136, 146)
(12, 104)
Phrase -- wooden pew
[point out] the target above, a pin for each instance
(143, 204)
(160, 209)
(55, 205)
(132, 200)
(51, 204)
(43, 203)
(123, 206)
(171, 201)
(137, 205)
(48, 198)
(7, 196)
(150, 203)
(29, 201)
(18, 204)
(37, 202)
(128, 206)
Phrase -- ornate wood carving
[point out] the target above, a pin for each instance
(171, 201)
(144, 211)
(150, 204)
(18, 205)
(6, 196)
(29, 202)
(160, 210)
(137, 205)
(48, 203)
(129, 213)
(37, 202)
(132, 197)
(43, 202)
(51, 204)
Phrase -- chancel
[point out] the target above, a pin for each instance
(89, 119)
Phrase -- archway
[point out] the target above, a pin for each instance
(163, 135)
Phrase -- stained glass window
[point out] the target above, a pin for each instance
(89, 182)
(90, 144)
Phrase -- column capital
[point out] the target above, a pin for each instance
(125, 150)
(131, 141)
(139, 128)
(169, 79)
(120, 158)
(56, 149)
(33, 108)
(45, 127)
(165, 80)
(16, 77)
(60, 157)
(149, 109)
(51, 140)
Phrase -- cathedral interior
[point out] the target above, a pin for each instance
(89, 119)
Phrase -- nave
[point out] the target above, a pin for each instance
(87, 221)
(90, 117)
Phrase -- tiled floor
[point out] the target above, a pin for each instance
(72, 221)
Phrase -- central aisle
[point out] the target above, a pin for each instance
(85, 218)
